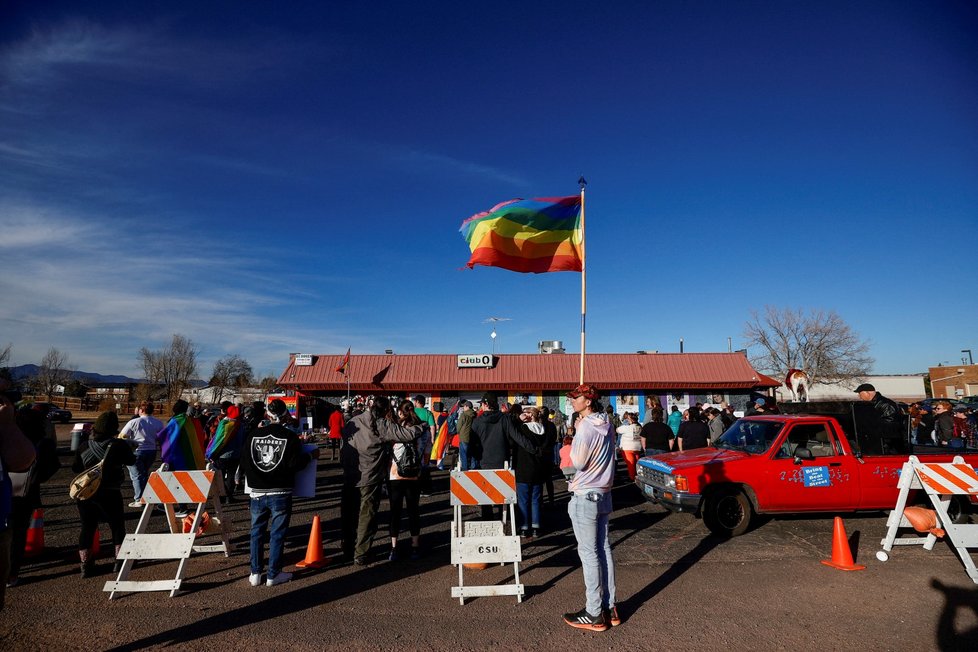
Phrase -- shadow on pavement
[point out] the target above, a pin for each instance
(684, 563)
(955, 599)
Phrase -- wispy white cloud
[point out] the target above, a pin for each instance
(440, 164)
(65, 52)
(74, 278)
(47, 53)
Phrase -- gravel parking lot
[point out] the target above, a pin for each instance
(678, 588)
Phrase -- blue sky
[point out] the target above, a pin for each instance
(291, 178)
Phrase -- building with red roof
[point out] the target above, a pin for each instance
(625, 379)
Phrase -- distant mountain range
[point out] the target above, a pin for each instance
(30, 370)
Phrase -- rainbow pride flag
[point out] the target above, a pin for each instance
(441, 438)
(527, 235)
(224, 437)
(182, 440)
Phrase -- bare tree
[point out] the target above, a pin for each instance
(53, 372)
(173, 367)
(4, 358)
(819, 342)
(230, 372)
(267, 385)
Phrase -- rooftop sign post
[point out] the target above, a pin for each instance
(303, 360)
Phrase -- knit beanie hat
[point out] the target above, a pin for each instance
(277, 408)
(107, 423)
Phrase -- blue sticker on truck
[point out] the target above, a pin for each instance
(653, 463)
(816, 476)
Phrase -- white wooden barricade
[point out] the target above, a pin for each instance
(169, 488)
(478, 542)
(940, 482)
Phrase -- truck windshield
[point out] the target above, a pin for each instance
(750, 436)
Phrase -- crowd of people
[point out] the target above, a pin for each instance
(941, 423)
(387, 449)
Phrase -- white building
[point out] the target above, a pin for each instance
(906, 388)
(209, 395)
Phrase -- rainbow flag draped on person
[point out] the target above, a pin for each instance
(225, 437)
(527, 235)
(441, 438)
(182, 441)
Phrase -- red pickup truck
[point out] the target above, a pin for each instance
(788, 464)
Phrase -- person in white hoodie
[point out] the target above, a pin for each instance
(593, 455)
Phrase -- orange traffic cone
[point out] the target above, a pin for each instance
(35, 534)
(841, 555)
(314, 550)
(96, 545)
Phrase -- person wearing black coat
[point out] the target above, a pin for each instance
(495, 435)
(658, 437)
(693, 433)
(943, 423)
(106, 504)
(532, 469)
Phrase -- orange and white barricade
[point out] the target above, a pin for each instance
(941, 483)
(484, 542)
(170, 488)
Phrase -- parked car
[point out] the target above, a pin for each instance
(54, 412)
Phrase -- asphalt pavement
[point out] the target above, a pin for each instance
(678, 588)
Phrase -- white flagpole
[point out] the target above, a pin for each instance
(583, 183)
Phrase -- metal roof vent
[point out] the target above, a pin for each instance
(551, 346)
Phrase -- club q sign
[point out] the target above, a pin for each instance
(476, 360)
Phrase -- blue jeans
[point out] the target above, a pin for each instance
(139, 472)
(424, 443)
(529, 502)
(590, 521)
(468, 463)
(269, 513)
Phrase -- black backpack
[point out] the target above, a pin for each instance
(408, 462)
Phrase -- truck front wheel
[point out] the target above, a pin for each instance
(959, 509)
(728, 513)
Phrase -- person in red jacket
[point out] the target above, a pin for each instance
(336, 423)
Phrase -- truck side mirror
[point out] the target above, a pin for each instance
(802, 453)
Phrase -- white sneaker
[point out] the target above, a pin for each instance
(254, 579)
(281, 578)
(135, 503)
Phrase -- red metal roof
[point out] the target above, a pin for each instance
(767, 381)
(524, 372)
